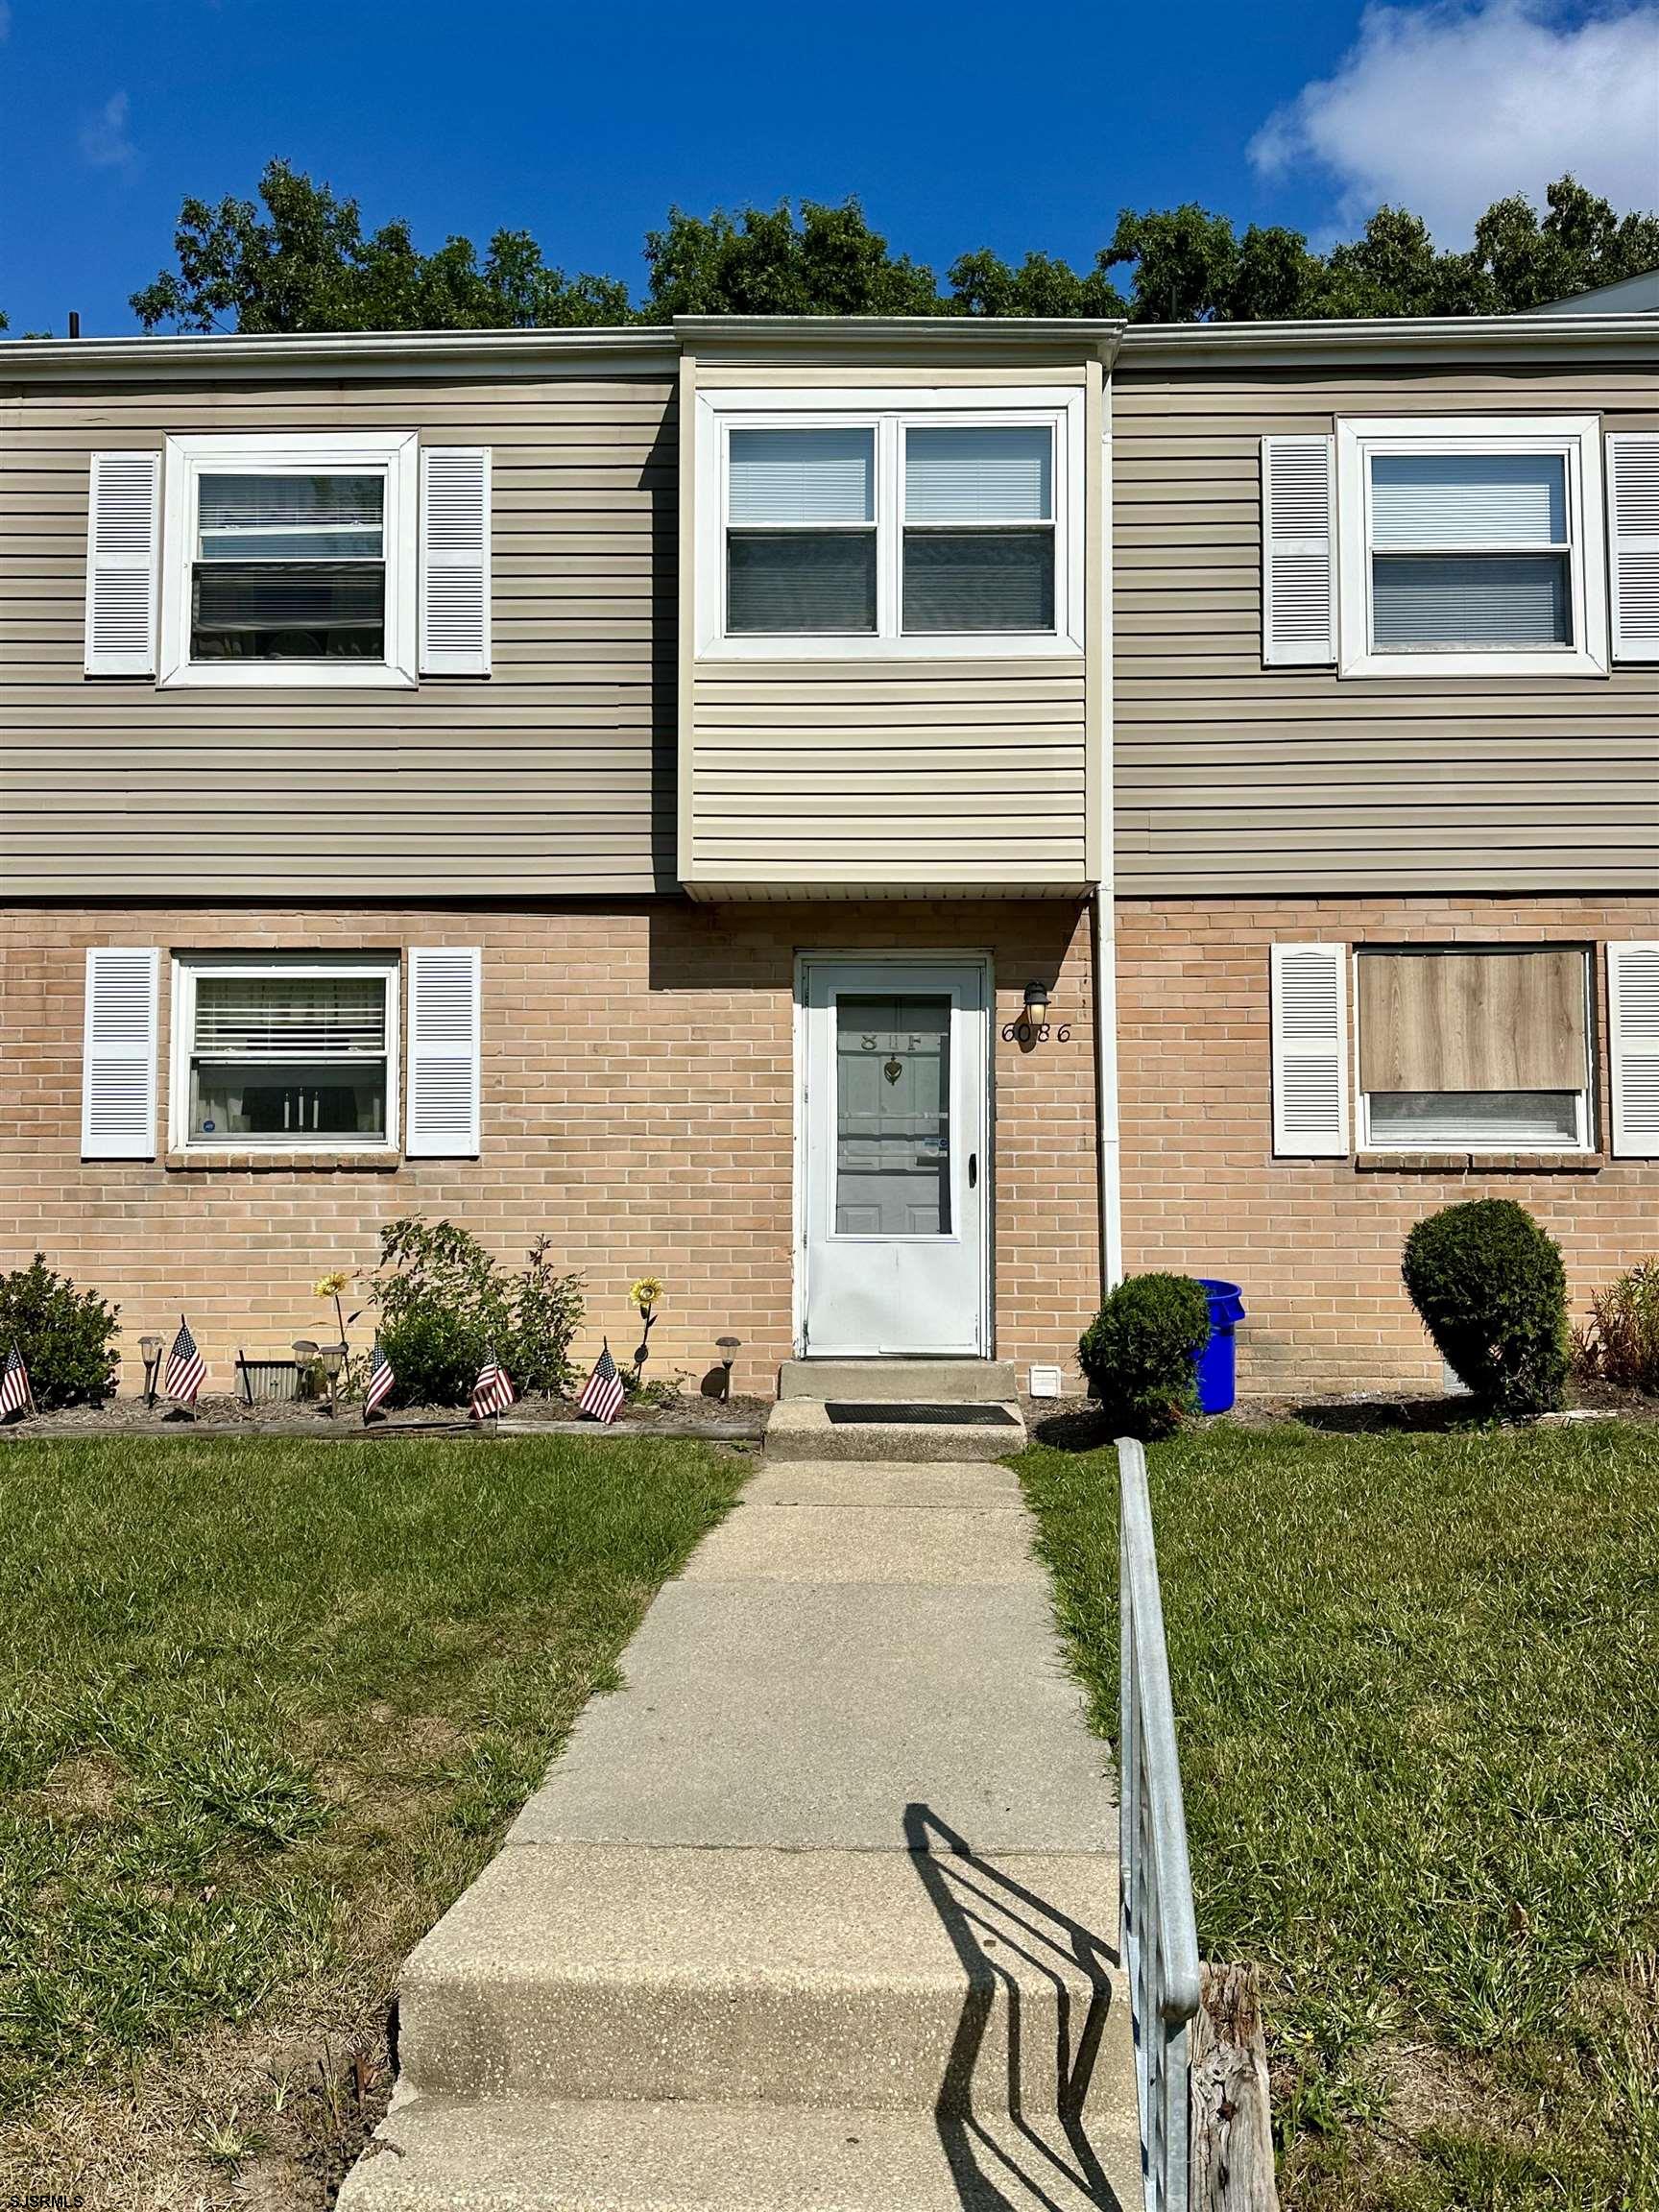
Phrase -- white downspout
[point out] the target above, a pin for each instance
(1103, 930)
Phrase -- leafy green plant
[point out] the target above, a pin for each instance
(1141, 1352)
(66, 1336)
(444, 1302)
(1489, 1287)
(1620, 1343)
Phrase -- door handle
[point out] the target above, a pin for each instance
(973, 1170)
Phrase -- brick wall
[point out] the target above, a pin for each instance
(636, 1105)
(1316, 1244)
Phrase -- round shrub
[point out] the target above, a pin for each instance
(66, 1336)
(444, 1303)
(1491, 1291)
(1141, 1352)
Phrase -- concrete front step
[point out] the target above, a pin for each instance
(916, 1381)
(800, 1429)
(909, 1980)
(432, 2155)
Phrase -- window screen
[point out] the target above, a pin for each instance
(1469, 550)
(801, 531)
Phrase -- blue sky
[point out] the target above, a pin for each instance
(963, 127)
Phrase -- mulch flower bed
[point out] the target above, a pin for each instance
(222, 1414)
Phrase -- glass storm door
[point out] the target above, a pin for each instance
(895, 1175)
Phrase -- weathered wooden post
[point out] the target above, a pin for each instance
(1232, 2147)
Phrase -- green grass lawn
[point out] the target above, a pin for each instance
(1416, 1683)
(265, 1708)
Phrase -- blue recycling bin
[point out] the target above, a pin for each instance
(1217, 1367)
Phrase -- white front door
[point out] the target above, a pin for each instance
(895, 1167)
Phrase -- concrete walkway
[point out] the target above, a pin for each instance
(819, 1912)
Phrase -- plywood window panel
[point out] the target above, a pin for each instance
(1484, 1048)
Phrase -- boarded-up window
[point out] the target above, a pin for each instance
(1486, 1048)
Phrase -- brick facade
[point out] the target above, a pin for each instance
(1316, 1244)
(638, 1105)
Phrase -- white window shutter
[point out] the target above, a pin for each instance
(118, 1065)
(1299, 552)
(1633, 1026)
(1309, 1024)
(1633, 543)
(454, 561)
(445, 991)
(123, 564)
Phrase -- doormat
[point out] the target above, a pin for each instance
(925, 1416)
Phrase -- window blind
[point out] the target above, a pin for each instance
(1452, 499)
(997, 473)
(290, 517)
(1423, 600)
(303, 1017)
(779, 477)
(800, 580)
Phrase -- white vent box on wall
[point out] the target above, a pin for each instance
(1046, 1382)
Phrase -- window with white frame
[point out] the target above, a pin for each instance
(289, 559)
(1471, 546)
(925, 527)
(1488, 1049)
(285, 1053)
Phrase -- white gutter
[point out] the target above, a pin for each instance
(1108, 1127)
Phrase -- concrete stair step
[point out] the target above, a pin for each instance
(920, 1382)
(800, 1429)
(433, 2155)
(895, 1979)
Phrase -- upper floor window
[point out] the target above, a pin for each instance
(1470, 546)
(289, 559)
(837, 523)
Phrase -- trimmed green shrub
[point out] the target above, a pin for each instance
(1620, 1343)
(444, 1302)
(66, 1336)
(1491, 1291)
(1141, 1352)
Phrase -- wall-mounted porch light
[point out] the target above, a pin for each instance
(1036, 1004)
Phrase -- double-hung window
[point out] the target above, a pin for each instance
(1487, 1050)
(285, 1054)
(289, 559)
(1471, 546)
(926, 527)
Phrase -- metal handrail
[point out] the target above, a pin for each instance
(1159, 1935)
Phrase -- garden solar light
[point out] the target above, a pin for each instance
(151, 1349)
(729, 1346)
(331, 1358)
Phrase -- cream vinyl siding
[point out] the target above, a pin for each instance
(926, 775)
(1235, 778)
(554, 773)
(929, 776)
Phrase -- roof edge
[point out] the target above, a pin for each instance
(1410, 337)
(344, 352)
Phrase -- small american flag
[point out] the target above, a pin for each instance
(493, 1392)
(187, 1369)
(602, 1392)
(14, 1391)
(380, 1380)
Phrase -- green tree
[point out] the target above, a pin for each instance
(768, 261)
(299, 261)
(982, 284)
(1578, 243)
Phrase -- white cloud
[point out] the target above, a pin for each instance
(105, 140)
(1444, 108)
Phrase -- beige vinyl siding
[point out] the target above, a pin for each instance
(924, 775)
(1234, 778)
(554, 775)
